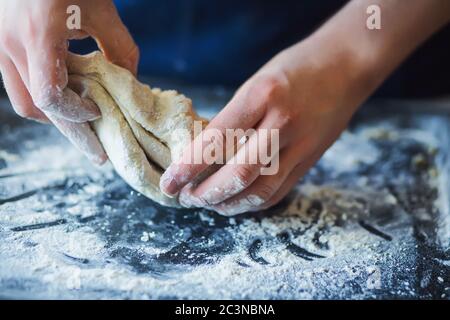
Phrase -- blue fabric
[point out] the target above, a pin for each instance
(217, 41)
(226, 41)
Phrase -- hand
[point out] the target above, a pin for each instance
(307, 97)
(308, 92)
(33, 49)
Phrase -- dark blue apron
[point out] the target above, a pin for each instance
(225, 41)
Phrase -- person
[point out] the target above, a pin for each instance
(308, 90)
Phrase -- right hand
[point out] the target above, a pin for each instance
(33, 50)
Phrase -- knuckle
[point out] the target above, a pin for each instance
(48, 100)
(270, 87)
(29, 29)
(262, 195)
(8, 41)
(285, 118)
(181, 173)
(243, 175)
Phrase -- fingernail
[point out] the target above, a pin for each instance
(187, 198)
(184, 200)
(213, 196)
(92, 113)
(168, 186)
(99, 159)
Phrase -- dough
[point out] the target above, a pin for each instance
(141, 129)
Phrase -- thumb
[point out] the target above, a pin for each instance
(114, 39)
(48, 80)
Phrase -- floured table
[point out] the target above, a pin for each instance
(371, 220)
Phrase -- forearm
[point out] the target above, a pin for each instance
(405, 24)
(355, 60)
(307, 93)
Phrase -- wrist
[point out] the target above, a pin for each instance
(371, 55)
(343, 74)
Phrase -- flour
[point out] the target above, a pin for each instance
(220, 279)
(341, 160)
(231, 186)
(8, 156)
(116, 244)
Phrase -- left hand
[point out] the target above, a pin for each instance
(308, 98)
(309, 93)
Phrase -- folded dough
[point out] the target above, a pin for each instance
(141, 129)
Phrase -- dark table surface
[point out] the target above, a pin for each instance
(370, 220)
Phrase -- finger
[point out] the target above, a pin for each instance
(187, 199)
(267, 190)
(18, 93)
(82, 137)
(48, 80)
(18, 56)
(262, 189)
(243, 168)
(288, 184)
(114, 39)
(239, 113)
